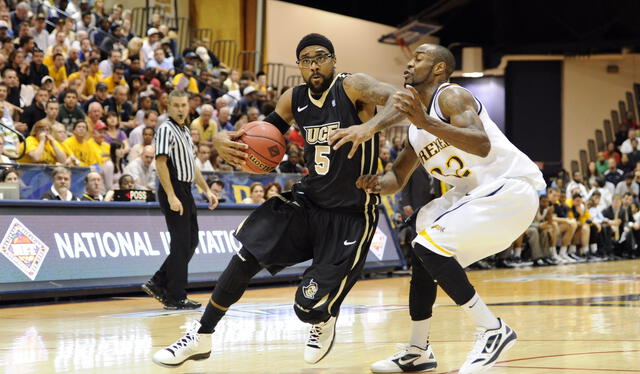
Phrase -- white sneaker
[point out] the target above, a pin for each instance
(409, 359)
(487, 348)
(559, 259)
(320, 341)
(192, 346)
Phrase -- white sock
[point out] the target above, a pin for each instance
(593, 247)
(553, 251)
(563, 251)
(420, 333)
(517, 252)
(572, 249)
(480, 313)
(584, 250)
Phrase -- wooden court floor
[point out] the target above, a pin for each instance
(570, 319)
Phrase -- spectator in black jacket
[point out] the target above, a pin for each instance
(613, 174)
(37, 70)
(36, 111)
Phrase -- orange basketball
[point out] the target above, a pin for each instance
(266, 147)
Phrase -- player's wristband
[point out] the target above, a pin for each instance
(275, 119)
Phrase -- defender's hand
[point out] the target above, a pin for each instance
(408, 103)
(356, 134)
(369, 183)
(175, 204)
(233, 152)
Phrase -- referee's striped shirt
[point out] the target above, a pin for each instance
(174, 141)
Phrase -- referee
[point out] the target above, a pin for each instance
(177, 170)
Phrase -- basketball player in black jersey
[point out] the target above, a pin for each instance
(325, 218)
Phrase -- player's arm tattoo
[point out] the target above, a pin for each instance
(370, 91)
(364, 89)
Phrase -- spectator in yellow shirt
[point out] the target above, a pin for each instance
(84, 152)
(58, 71)
(206, 126)
(41, 147)
(98, 142)
(94, 77)
(115, 79)
(185, 80)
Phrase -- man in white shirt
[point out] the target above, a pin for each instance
(151, 44)
(150, 119)
(40, 33)
(578, 183)
(628, 184)
(202, 158)
(106, 66)
(147, 139)
(143, 169)
(626, 146)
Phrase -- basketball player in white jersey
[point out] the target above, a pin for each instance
(492, 202)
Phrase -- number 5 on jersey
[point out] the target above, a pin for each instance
(322, 160)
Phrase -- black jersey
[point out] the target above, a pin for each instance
(331, 183)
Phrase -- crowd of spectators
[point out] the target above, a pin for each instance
(588, 217)
(85, 90)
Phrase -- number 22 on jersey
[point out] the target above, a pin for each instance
(454, 168)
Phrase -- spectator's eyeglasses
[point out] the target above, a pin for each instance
(52, 100)
(319, 60)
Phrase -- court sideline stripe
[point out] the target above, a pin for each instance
(500, 363)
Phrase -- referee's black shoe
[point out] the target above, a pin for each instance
(182, 304)
(155, 291)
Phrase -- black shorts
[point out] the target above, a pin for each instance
(285, 231)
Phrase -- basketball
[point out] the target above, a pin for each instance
(266, 147)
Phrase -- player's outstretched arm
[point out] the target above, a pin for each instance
(457, 104)
(394, 180)
(367, 90)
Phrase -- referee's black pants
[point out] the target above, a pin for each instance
(172, 275)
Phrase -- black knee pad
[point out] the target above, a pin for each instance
(422, 291)
(448, 273)
(235, 278)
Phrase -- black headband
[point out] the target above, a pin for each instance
(314, 39)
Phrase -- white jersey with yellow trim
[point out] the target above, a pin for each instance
(466, 171)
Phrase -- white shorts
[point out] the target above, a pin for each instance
(475, 225)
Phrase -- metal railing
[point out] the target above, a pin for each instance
(226, 50)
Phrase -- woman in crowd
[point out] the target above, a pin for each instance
(113, 167)
(272, 189)
(9, 175)
(256, 194)
(133, 50)
(114, 132)
(217, 162)
(41, 147)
